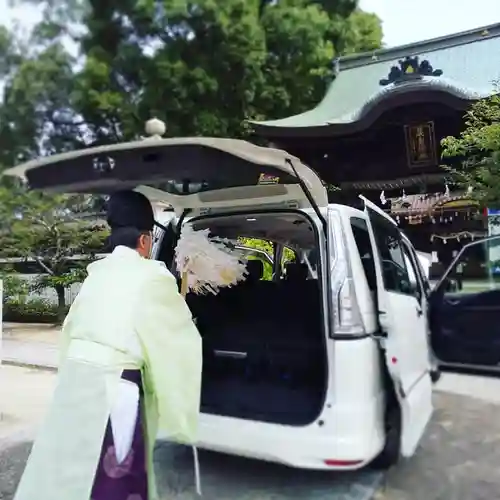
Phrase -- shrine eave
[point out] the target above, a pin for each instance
(430, 89)
(454, 70)
(390, 184)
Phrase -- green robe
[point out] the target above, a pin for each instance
(124, 298)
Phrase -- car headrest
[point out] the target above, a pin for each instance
(255, 269)
(296, 271)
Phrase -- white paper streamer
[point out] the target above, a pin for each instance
(206, 263)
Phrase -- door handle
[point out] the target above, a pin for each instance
(419, 312)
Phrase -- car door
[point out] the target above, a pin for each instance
(464, 307)
(200, 174)
(403, 325)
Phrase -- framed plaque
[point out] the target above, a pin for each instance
(420, 145)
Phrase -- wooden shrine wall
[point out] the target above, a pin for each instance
(403, 142)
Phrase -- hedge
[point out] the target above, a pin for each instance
(32, 311)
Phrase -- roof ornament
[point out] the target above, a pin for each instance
(155, 128)
(410, 68)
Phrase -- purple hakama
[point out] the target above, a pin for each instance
(127, 480)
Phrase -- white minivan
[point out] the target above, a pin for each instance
(326, 366)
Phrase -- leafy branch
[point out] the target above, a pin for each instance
(473, 158)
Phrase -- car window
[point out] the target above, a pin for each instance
(477, 268)
(288, 255)
(258, 249)
(411, 272)
(411, 261)
(362, 238)
(390, 247)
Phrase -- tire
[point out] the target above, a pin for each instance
(435, 375)
(390, 454)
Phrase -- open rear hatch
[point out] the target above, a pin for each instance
(205, 176)
(199, 174)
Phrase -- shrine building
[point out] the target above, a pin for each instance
(377, 132)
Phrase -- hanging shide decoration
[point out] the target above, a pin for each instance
(207, 263)
(435, 217)
(463, 235)
(383, 199)
(442, 206)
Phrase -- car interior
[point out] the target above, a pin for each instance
(465, 308)
(263, 340)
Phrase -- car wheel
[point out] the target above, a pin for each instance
(390, 454)
(435, 375)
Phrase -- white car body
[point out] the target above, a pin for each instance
(377, 386)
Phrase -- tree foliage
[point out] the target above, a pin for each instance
(36, 112)
(474, 156)
(50, 231)
(268, 248)
(203, 67)
(13, 286)
(93, 71)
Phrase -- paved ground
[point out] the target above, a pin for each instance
(35, 332)
(26, 393)
(35, 354)
(223, 478)
(227, 478)
(34, 345)
(457, 460)
(486, 388)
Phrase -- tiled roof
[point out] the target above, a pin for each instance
(468, 62)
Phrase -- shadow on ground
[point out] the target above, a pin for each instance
(226, 477)
(223, 478)
(459, 456)
(12, 462)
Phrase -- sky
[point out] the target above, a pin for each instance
(404, 21)
(407, 21)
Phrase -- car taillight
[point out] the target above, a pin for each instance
(331, 462)
(349, 318)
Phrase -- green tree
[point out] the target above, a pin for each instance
(266, 246)
(473, 158)
(14, 287)
(203, 67)
(36, 112)
(93, 71)
(49, 230)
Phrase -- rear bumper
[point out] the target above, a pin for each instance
(301, 447)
